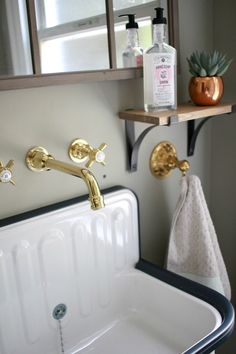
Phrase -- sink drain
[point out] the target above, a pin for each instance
(59, 311)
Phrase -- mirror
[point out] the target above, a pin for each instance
(15, 51)
(78, 38)
(144, 11)
(72, 35)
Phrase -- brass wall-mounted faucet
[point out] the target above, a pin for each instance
(38, 159)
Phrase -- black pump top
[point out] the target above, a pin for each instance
(159, 19)
(131, 23)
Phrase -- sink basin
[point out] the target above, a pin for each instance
(116, 302)
(150, 316)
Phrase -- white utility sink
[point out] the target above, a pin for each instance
(115, 302)
(149, 316)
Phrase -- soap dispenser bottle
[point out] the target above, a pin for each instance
(160, 74)
(133, 53)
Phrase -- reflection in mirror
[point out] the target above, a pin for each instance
(72, 35)
(144, 11)
(15, 51)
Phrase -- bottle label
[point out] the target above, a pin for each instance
(163, 79)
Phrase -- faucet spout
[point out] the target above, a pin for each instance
(38, 159)
(95, 197)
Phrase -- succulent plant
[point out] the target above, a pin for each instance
(208, 64)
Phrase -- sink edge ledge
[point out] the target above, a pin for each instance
(210, 296)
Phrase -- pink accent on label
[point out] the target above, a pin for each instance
(164, 74)
(139, 60)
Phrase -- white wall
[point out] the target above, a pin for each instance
(223, 196)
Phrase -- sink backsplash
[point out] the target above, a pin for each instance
(71, 256)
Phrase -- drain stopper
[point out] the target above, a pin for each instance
(59, 311)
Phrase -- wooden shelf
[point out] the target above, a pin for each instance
(183, 113)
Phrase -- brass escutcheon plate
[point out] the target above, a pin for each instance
(36, 157)
(161, 159)
(78, 150)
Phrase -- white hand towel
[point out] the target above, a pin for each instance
(193, 246)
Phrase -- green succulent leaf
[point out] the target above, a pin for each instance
(208, 64)
(196, 68)
(222, 60)
(193, 72)
(215, 57)
(213, 71)
(223, 70)
(197, 55)
(221, 57)
(196, 58)
(204, 60)
(193, 67)
(203, 72)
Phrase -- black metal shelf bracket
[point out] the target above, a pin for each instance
(132, 145)
(193, 131)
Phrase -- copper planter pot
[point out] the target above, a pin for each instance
(206, 91)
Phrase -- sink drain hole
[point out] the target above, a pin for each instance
(58, 313)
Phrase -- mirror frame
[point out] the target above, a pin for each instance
(39, 80)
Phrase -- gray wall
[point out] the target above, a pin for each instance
(223, 190)
(52, 117)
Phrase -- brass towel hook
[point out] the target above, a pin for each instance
(164, 159)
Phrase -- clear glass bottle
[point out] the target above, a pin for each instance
(160, 74)
(133, 54)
